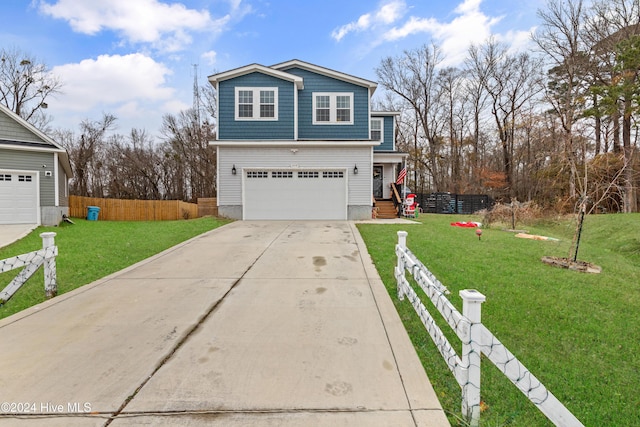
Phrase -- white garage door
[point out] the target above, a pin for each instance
(295, 194)
(18, 198)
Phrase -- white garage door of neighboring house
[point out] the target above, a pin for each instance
(295, 194)
(18, 198)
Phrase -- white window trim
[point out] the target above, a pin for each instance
(381, 120)
(256, 104)
(333, 107)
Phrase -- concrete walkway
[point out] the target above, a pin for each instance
(10, 233)
(252, 324)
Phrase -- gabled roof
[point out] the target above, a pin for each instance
(296, 63)
(47, 145)
(279, 71)
(247, 69)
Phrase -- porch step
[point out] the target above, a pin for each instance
(386, 209)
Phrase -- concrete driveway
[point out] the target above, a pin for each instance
(252, 324)
(10, 233)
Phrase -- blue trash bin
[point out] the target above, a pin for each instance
(92, 213)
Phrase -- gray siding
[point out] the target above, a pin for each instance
(230, 129)
(63, 190)
(33, 161)
(230, 186)
(314, 82)
(11, 130)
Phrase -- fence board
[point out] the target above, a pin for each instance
(208, 206)
(133, 210)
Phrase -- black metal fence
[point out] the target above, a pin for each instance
(447, 203)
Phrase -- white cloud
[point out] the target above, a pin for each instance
(210, 57)
(164, 26)
(112, 81)
(129, 109)
(391, 12)
(468, 6)
(135, 88)
(470, 25)
(386, 14)
(174, 106)
(518, 41)
(412, 26)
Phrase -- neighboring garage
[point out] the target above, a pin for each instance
(289, 194)
(18, 198)
(34, 174)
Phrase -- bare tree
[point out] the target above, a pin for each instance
(412, 77)
(476, 74)
(450, 81)
(134, 167)
(513, 81)
(209, 103)
(86, 155)
(560, 39)
(25, 85)
(192, 159)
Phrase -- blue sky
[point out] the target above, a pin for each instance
(134, 58)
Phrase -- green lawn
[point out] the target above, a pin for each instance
(578, 333)
(90, 250)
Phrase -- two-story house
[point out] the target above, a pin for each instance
(299, 141)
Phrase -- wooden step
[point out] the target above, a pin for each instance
(386, 209)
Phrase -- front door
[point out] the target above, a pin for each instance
(377, 182)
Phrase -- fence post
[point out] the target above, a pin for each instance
(402, 243)
(471, 351)
(50, 277)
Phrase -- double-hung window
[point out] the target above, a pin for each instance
(376, 129)
(333, 108)
(256, 103)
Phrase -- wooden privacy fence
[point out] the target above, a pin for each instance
(133, 210)
(207, 206)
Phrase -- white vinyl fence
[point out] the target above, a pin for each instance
(476, 340)
(32, 261)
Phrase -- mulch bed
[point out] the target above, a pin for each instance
(583, 266)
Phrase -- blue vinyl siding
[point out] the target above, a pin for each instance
(230, 129)
(387, 137)
(314, 82)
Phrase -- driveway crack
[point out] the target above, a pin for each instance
(190, 332)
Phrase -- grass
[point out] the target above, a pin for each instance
(577, 333)
(90, 250)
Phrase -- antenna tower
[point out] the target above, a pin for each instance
(196, 94)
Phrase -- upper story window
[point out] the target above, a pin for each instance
(376, 129)
(256, 103)
(332, 108)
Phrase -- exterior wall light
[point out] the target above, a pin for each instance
(233, 170)
(355, 170)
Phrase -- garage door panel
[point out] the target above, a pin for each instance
(18, 198)
(295, 194)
